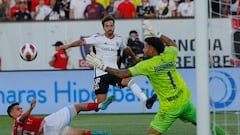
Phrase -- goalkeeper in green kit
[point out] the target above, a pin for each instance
(159, 66)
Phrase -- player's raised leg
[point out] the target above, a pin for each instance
(106, 103)
(94, 106)
(135, 88)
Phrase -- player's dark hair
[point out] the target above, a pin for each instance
(156, 43)
(107, 18)
(10, 108)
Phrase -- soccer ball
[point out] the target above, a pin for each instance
(28, 52)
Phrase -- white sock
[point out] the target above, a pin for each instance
(137, 90)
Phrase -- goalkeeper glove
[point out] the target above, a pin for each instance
(94, 61)
(148, 29)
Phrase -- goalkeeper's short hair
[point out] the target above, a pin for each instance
(156, 43)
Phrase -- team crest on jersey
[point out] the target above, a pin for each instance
(84, 49)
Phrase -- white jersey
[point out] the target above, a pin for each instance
(78, 7)
(106, 49)
(186, 9)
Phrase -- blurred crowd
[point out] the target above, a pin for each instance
(44, 10)
(224, 8)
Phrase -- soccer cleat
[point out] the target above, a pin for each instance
(107, 102)
(150, 101)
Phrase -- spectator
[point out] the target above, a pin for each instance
(60, 58)
(3, 11)
(145, 10)
(42, 11)
(234, 5)
(186, 9)
(22, 14)
(126, 9)
(165, 8)
(94, 10)
(34, 3)
(225, 7)
(137, 47)
(174, 12)
(56, 13)
(111, 8)
(77, 8)
(14, 9)
(65, 6)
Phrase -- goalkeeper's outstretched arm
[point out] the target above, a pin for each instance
(167, 40)
(119, 73)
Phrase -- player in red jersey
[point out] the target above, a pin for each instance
(54, 124)
(60, 58)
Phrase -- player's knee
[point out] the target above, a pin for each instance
(65, 130)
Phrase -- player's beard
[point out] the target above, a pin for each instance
(110, 32)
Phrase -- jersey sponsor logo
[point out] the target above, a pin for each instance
(218, 81)
(164, 66)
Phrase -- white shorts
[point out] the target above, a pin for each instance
(56, 122)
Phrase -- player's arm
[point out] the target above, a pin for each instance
(118, 73)
(73, 44)
(52, 61)
(149, 31)
(28, 112)
(132, 54)
(167, 40)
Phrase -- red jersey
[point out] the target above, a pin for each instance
(15, 9)
(126, 10)
(29, 127)
(61, 60)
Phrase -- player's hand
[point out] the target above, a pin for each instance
(137, 59)
(33, 103)
(94, 61)
(148, 29)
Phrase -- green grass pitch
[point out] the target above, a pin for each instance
(133, 124)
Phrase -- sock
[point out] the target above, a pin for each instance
(92, 106)
(137, 90)
(88, 132)
(93, 132)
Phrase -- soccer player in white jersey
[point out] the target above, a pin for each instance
(106, 46)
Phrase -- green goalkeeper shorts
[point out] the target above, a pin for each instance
(163, 120)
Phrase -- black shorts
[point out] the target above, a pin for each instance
(101, 83)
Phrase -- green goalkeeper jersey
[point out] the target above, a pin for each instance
(167, 82)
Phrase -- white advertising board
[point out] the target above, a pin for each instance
(44, 34)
